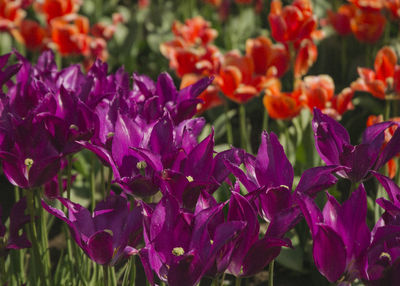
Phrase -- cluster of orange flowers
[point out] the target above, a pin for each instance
(365, 19)
(64, 30)
(242, 77)
(383, 81)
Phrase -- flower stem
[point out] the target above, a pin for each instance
(105, 273)
(244, 138)
(228, 125)
(265, 120)
(69, 176)
(38, 266)
(92, 181)
(271, 273)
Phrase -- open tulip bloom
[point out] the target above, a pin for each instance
(360, 161)
(107, 235)
(340, 235)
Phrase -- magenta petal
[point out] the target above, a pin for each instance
(166, 89)
(390, 150)
(272, 167)
(261, 254)
(329, 253)
(390, 187)
(100, 247)
(330, 137)
(310, 210)
(316, 179)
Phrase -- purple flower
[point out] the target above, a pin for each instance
(340, 235)
(180, 247)
(269, 177)
(250, 253)
(107, 235)
(31, 160)
(333, 145)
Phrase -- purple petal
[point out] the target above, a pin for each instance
(272, 167)
(166, 89)
(390, 187)
(329, 245)
(316, 179)
(330, 137)
(100, 247)
(194, 90)
(310, 210)
(261, 254)
(390, 150)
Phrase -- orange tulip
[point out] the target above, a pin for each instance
(317, 91)
(394, 7)
(57, 8)
(305, 58)
(235, 77)
(266, 55)
(70, 35)
(371, 5)
(368, 26)
(341, 19)
(195, 31)
(293, 23)
(33, 35)
(282, 105)
(11, 15)
(384, 79)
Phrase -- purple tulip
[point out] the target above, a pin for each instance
(269, 177)
(339, 232)
(32, 160)
(333, 145)
(250, 254)
(180, 247)
(109, 234)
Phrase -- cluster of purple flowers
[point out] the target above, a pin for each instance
(147, 134)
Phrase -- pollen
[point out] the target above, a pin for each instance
(386, 256)
(28, 162)
(189, 178)
(110, 134)
(178, 251)
(73, 127)
(141, 165)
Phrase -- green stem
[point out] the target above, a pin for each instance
(387, 110)
(228, 124)
(132, 277)
(69, 176)
(34, 237)
(92, 181)
(44, 239)
(109, 180)
(223, 278)
(113, 278)
(105, 275)
(271, 273)
(244, 135)
(3, 277)
(265, 120)
(238, 281)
